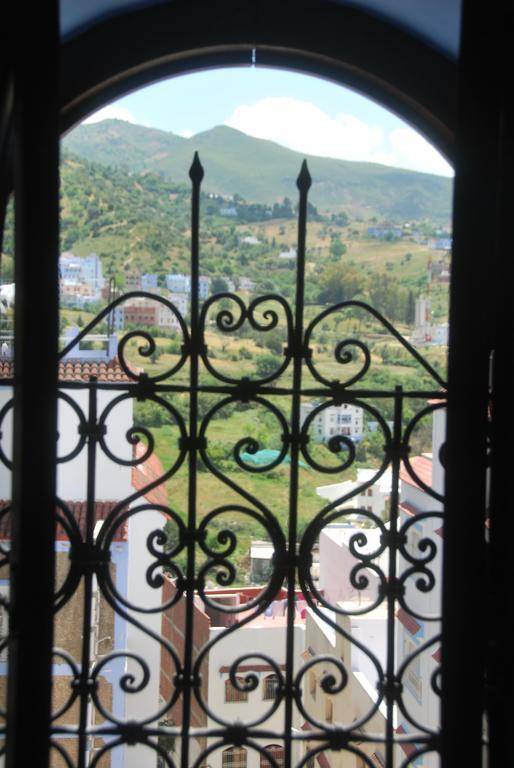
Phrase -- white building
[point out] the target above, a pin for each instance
(86, 269)
(91, 267)
(374, 498)
(178, 283)
(182, 284)
(337, 562)
(265, 635)
(413, 633)
(7, 294)
(181, 302)
(420, 519)
(129, 556)
(427, 333)
(331, 420)
(359, 696)
(148, 281)
(262, 644)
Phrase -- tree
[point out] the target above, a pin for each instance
(387, 296)
(274, 342)
(219, 285)
(340, 282)
(337, 249)
(266, 365)
(410, 312)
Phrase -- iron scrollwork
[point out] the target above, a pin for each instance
(184, 552)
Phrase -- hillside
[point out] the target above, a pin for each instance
(264, 172)
(141, 221)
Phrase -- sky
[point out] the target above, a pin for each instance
(301, 112)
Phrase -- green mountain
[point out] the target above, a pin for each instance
(264, 172)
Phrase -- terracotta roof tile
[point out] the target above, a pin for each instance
(408, 621)
(78, 370)
(410, 509)
(147, 472)
(77, 509)
(422, 467)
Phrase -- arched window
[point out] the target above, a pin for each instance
(379, 54)
(270, 686)
(277, 752)
(234, 757)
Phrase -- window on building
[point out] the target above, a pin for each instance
(277, 752)
(234, 757)
(270, 687)
(232, 694)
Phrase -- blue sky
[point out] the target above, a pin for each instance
(304, 113)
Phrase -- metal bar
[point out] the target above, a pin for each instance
(196, 175)
(303, 183)
(390, 692)
(471, 300)
(85, 703)
(36, 180)
(500, 669)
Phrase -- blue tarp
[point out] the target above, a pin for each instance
(267, 456)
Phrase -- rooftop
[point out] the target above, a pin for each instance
(422, 467)
(78, 510)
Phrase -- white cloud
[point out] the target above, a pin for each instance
(111, 112)
(304, 127)
(186, 134)
(410, 150)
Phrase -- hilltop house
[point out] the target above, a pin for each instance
(345, 419)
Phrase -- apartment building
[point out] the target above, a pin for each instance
(330, 420)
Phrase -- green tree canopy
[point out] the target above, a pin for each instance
(340, 282)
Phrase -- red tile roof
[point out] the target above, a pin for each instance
(408, 621)
(437, 655)
(77, 370)
(145, 473)
(81, 370)
(422, 467)
(410, 509)
(78, 510)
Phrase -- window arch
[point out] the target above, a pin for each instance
(234, 757)
(464, 364)
(269, 687)
(277, 752)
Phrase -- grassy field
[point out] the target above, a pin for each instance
(270, 488)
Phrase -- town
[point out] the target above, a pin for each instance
(312, 566)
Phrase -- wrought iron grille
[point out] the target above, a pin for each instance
(300, 719)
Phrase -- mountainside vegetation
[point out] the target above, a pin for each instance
(140, 222)
(261, 171)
